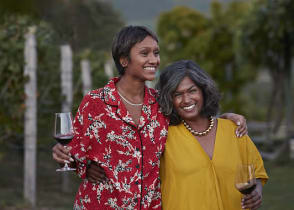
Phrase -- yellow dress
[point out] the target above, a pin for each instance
(193, 181)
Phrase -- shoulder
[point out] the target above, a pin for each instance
(227, 128)
(91, 98)
(226, 124)
(93, 95)
(173, 129)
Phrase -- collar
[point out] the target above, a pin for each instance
(112, 98)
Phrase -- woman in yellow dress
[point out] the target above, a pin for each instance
(202, 152)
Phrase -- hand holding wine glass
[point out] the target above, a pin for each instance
(245, 180)
(63, 132)
(247, 184)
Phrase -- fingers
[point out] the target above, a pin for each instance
(239, 120)
(252, 201)
(242, 126)
(95, 173)
(61, 154)
(241, 130)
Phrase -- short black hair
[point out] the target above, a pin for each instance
(125, 39)
(171, 77)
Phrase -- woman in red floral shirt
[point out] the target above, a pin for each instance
(121, 128)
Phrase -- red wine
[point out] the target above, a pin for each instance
(246, 188)
(63, 139)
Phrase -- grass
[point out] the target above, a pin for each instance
(277, 194)
(49, 194)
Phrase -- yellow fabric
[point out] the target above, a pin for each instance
(191, 180)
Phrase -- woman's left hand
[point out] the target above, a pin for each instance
(239, 120)
(253, 200)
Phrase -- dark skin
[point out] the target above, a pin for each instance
(188, 102)
(144, 56)
(253, 200)
(96, 174)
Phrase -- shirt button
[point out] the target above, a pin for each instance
(137, 166)
(136, 200)
(136, 182)
(137, 149)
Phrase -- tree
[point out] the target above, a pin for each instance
(12, 31)
(210, 41)
(88, 26)
(267, 40)
(92, 41)
(177, 29)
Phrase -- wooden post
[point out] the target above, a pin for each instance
(66, 78)
(108, 68)
(290, 111)
(30, 117)
(67, 94)
(86, 76)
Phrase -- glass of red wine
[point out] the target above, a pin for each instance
(245, 180)
(63, 132)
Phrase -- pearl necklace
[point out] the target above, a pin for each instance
(128, 100)
(196, 133)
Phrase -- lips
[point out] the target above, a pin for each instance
(189, 108)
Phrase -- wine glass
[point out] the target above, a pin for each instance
(245, 180)
(63, 132)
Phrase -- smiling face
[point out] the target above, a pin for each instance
(188, 99)
(143, 61)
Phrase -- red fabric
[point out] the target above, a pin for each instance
(129, 154)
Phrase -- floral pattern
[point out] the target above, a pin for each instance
(129, 153)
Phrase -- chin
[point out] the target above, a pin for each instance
(190, 116)
(150, 77)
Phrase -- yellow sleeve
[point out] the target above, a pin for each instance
(250, 154)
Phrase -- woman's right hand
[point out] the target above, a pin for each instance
(61, 154)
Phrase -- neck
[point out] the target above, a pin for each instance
(199, 123)
(132, 89)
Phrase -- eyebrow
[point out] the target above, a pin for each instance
(192, 86)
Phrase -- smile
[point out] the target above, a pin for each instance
(150, 68)
(188, 108)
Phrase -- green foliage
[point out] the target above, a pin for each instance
(89, 27)
(99, 79)
(267, 40)
(177, 30)
(210, 41)
(87, 24)
(12, 31)
(265, 31)
(24, 7)
(11, 74)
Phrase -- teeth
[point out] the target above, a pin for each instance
(150, 68)
(189, 107)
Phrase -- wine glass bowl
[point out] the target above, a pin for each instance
(63, 132)
(245, 180)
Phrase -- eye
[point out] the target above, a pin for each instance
(156, 53)
(144, 53)
(177, 95)
(193, 90)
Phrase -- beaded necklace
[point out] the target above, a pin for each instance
(196, 133)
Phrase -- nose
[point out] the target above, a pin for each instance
(154, 59)
(186, 98)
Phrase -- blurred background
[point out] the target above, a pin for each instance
(247, 47)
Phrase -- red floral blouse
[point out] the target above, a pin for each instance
(129, 154)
